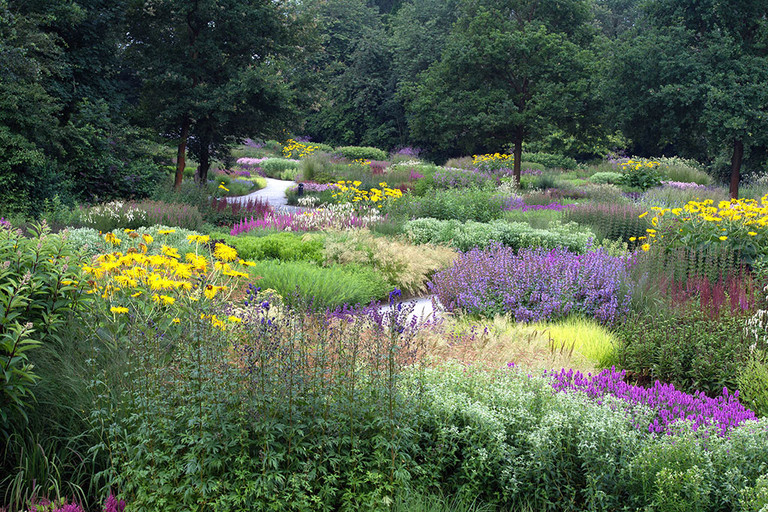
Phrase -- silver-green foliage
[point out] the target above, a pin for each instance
(467, 235)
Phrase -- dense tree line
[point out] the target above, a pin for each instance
(89, 89)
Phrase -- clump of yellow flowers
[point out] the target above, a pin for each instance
(295, 149)
(164, 287)
(493, 161)
(741, 223)
(636, 165)
(375, 197)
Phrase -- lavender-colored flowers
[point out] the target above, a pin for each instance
(534, 284)
(333, 216)
(450, 177)
(4, 222)
(408, 151)
(669, 404)
(517, 203)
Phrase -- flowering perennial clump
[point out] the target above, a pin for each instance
(298, 149)
(535, 284)
(517, 203)
(336, 216)
(463, 178)
(376, 197)
(739, 222)
(668, 404)
(147, 285)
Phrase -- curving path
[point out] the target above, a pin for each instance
(273, 193)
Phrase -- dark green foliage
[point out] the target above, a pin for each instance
(549, 160)
(221, 80)
(35, 304)
(295, 412)
(274, 167)
(642, 179)
(688, 349)
(472, 204)
(752, 381)
(360, 152)
(279, 246)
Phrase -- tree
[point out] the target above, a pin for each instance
(354, 103)
(212, 71)
(691, 79)
(511, 69)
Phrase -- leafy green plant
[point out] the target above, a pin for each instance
(752, 381)
(605, 177)
(468, 235)
(641, 177)
(325, 286)
(274, 167)
(280, 246)
(361, 152)
(473, 204)
(550, 161)
(37, 278)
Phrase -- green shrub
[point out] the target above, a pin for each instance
(472, 204)
(684, 171)
(91, 242)
(605, 177)
(752, 382)
(685, 348)
(468, 235)
(643, 178)
(327, 287)
(318, 168)
(550, 161)
(274, 167)
(361, 152)
(280, 246)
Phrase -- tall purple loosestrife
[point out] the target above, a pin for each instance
(668, 404)
(535, 284)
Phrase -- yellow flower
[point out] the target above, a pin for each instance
(176, 321)
(165, 300)
(199, 239)
(632, 238)
(136, 294)
(225, 253)
(752, 233)
(645, 247)
(723, 238)
(111, 238)
(118, 310)
(247, 263)
(165, 232)
(170, 251)
(642, 215)
(68, 282)
(234, 319)
(222, 187)
(650, 230)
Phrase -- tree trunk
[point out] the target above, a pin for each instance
(181, 155)
(518, 154)
(202, 170)
(738, 155)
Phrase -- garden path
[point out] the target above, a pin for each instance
(423, 310)
(273, 193)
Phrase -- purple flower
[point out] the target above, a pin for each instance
(668, 404)
(534, 284)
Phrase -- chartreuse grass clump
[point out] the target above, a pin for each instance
(163, 288)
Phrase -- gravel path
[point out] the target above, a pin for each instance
(273, 193)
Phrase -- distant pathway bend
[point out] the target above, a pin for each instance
(273, 193)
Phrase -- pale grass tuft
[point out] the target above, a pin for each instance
(404, 265)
